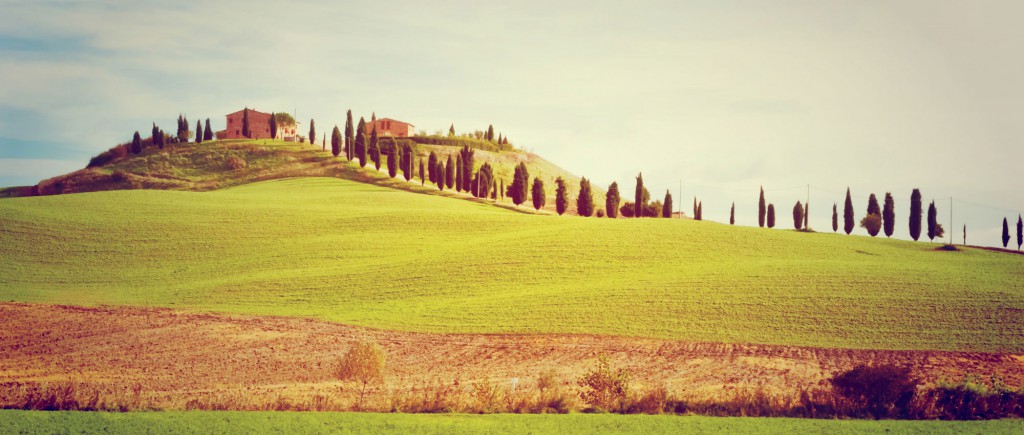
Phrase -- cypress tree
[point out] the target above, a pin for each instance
(161, 138)
(184, 130)
(932, 221)
(208, 132)
(695, 217)
(350, 138)
(458, 173)
(798, 215)
(468, 166)
(312, 135)
(1006, 232)
(361, 144)
(136, 143)
(199, 131)
(449, 173)
(336, 141)
(490, 134)
(439, 175)
(1020, 232)
(835, 217)
(561, 196)
(771, 216)
(451, 131)
(432, 165)
(538, 193)
(873, 205)
(611, 201)
(273, 126)
(915, 214)
(423, 177)
(407, 158)
(732, 214)
(520, 180)
(155, 137)
(374, 152)
(494, 190)
(666, 205)
(639, 203)
(245, 123)
(889, 215)
(848, 213)
(700, 211)
(807, 214)
(393, 162)
(761, 209)
(585, 199)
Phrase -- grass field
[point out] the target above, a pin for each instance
(366, 255)
(288, 422)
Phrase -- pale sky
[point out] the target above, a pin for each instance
(723, 95)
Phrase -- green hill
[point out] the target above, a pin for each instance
(225, 163)
(367, 255)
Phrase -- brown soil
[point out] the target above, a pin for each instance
(173, 356)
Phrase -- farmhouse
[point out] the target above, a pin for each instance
(390, 127)
(259, 126)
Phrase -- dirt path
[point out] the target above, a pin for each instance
(173, 355)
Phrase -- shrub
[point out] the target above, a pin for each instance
(364, 364)
(236, 163)
(603, 388)
(119, 176)
(872, 223)
(882, 391)
(600, 213)
(113, 154)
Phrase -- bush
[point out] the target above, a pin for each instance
(600, 213)
(605, 389)
(872, 223)
(236, 163)
(109, 156)
(460, 142)
(364, 364)
(882, 391)
(119, 176)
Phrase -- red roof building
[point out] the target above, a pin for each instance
(390, 127)
(259, 126)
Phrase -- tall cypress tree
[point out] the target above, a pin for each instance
(585, 199)
(208, 132)
(1020, 231)
(611, 201)
(873, 207)
(700, 210)
(695, 217)
(439, 175)
(732, 214)
(458, 173)
(336, 141)
(432, 167)
(520, 181)
(771, 216)
(561, 196)
(490, 134)
(807, 215)
(835, 217)
(393, 162)
(638, 205)
(761, 210)
(350, 138)
(361, 145)
(136, 143)
(451, 131)
(538, 193)
(848, 213)
(798, 216)
(915, 214)
(408, 157)
(449, 173)
(666, 205)
(245, 123)
(199, 131)
(889, 215)
(1006, 232)
(374, 152)
(312, 135)
(932, 221)
(273, 125)
(468, 166)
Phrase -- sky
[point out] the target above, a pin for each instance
(721, 97)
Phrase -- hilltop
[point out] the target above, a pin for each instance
(220, 164)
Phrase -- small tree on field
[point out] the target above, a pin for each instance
(604, 388)
(889, 215)
(639, 202)
(872, 223)
(798, 215)
(835, 218)
(336, 141)
(732, 214)
(611, 201)
(364, 365)
(561, 196)
(915, 214)
(761, 210)
(136, 143)
(771, 216)
(848, 213)
(666, 207)
(449, 173)
(585, 199)
(1006, 230)
(538, 193)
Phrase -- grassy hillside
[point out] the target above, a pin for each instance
(225, 163)
(326, 422)
(362, 254)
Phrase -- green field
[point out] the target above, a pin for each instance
(368, 255)
(290, 422)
